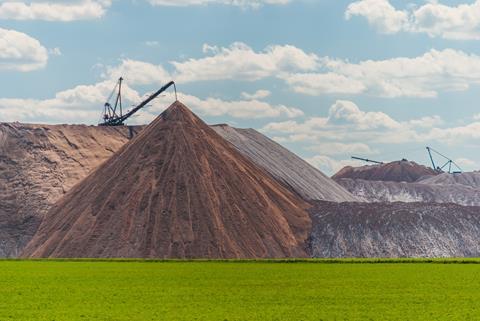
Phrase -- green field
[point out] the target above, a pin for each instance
(101, 290)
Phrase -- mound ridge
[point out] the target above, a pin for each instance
(177, 190)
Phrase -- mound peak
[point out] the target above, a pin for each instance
(179, 112)
(177, 190)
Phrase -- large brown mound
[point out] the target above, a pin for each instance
(177, 190)
(399, 171)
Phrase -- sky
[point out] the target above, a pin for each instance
(328, 79)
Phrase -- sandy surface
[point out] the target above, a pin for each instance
(176, 190)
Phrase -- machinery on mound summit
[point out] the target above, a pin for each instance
(113, 115)
(177, 190)
(398, 171)
(406, 181)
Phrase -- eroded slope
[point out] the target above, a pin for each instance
(38, 164)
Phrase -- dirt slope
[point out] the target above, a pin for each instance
(394, 230)
(176, 190)
(421, 191)
(38, 164)
(399, 171)
(285, 166)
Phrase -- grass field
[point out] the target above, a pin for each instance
(85, 290)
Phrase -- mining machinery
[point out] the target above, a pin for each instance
(366, 160)
(113, 114)
(450, 163)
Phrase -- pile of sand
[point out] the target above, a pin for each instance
(176, 190)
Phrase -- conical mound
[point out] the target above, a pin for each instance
(178, 190)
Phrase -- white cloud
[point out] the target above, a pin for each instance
(53, 10)
(241, 62)
(346, 123)
(337, 148)
(236, 62)
(426, 122)
(324, 83)
(345, 112)
(259, 94)
(423, 76)
(21, 52)
(379, 13)
(347, 128)
(138, 72)
(241, 109)
(458, 22)
(306, 73)
(330, 165)
(454, 135)
(251, 109)
(239, 3)
(84, 104)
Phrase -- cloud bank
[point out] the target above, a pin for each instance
(460, 22)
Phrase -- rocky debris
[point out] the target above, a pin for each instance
(285, 166)
(38, 164)
(399, 171)
(394, 230)
(177, 190)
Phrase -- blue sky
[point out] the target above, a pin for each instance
(328, 79)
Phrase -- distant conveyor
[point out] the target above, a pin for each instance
(112, 118)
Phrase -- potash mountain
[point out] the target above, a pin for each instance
(181, 189)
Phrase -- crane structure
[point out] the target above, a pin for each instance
(450, 163)
(113, 115)
(366, 160)
(109, 111)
